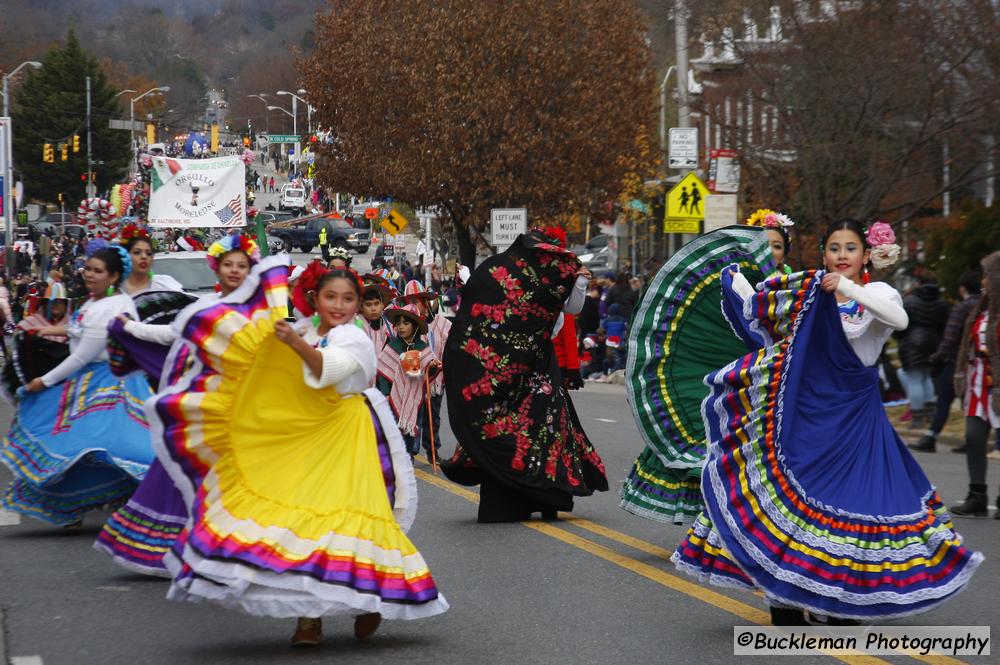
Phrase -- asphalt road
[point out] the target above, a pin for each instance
(594, 588)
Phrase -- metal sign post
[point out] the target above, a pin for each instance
(5, 174)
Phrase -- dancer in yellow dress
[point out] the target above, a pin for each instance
(297, 483)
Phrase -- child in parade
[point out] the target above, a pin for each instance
(438, 328)
(377, 295)
(778, 237)
(294, 474)
(139, 534)
(402, 364)
(80, 439)
(340, 259)
(809, 494)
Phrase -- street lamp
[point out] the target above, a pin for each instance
(8, 212)
(267, 116)
(295, 110)
(123, 92)
(295, 100)
(131, 113)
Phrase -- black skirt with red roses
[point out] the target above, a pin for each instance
(516, 427)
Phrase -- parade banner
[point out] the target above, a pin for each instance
(189, 193)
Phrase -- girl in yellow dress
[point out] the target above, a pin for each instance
(296, 479)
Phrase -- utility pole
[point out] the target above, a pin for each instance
(681, 39)
(683, 97)
(91, 189)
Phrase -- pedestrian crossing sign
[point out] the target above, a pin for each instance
(686, 202)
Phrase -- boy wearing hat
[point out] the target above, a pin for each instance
(438, 329)
(401, 367)
(377, 294)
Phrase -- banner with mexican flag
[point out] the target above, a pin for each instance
(187, 193)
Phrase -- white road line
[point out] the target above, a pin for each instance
(26, 660)
(8, 518)
(605, 420)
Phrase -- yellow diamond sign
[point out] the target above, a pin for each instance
(685, 207)
(394, 223)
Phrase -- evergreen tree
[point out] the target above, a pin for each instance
(50, 105)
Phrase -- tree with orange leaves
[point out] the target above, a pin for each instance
(467, 105)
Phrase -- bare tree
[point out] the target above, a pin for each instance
(468, 105)
(858, 106)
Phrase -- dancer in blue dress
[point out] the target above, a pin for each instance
(80, 439)
(810, 496)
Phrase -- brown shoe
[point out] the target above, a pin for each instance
(308, 632)
(365, 625)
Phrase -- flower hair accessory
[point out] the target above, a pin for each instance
(882, 240)
(234, 243)
(307, 283)
(556, 234)
(131, 231)
(342, 254)
(126, 260)
(769, 219)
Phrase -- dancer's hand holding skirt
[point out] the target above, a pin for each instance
(290, 515)
(810, 496)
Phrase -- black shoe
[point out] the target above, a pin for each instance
(550, 515)
(974, 506)
(960, 450)
(787, 616)
(926, 444)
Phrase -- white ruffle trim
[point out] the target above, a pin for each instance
(131, 565)
(264, 593)
(405, 507)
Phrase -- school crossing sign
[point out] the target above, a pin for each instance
(685, 207)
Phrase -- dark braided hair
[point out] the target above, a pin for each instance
(338, 273)
(112, 261)
(852, 225)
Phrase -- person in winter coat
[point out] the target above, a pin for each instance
(943, 360)
(567, 352)
(928, 314)
(977, 381)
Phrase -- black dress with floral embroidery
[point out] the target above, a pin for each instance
(518, 434)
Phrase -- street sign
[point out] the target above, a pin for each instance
(283, 138)
(723, 171)
(687, 199)
(394, 223)
(685, 207)
(127, 125)
(506, 224)
(683, 148)
(371, 213)
(682, 226)
(720, 211)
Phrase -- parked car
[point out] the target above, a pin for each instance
(292, 198)
(305, 236)
(596, 253)
(271, 216)
(190, 269)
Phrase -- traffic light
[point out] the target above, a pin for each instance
(246, 141)
(64, 149)
(76, 143)
(48, 154)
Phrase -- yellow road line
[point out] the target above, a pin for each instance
(696, 591)
(664, 578)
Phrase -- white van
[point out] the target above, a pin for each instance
(292, 198)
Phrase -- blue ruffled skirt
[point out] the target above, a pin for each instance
(78, 445)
